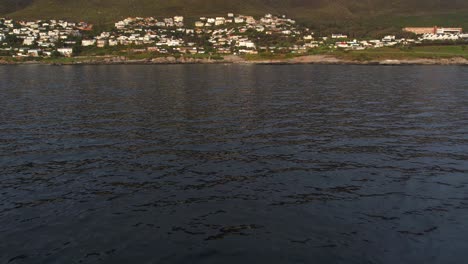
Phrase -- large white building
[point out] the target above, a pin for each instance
(449, 30)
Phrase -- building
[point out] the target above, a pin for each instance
(220, 21)
(433, 30)
(440, 37)
(239, 20)
(250, 20)
(29, 41)
(246, 43)
(421, 30)
(389, 38)
(33, 52)
(178, 19)
(449, 30)
(339, 36)
(120, 25)
(88, 42)
(113, 42)
(67, 52)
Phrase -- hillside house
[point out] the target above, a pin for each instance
(239, 20)
(339, 36)
(67, 52)
(178, 19)
(28, 41)
(88, 42)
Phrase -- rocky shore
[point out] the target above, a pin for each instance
(323, 59)
(233, 59)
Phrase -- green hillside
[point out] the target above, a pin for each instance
(347, 15)
(8, 6)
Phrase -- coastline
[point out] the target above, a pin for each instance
(233, 59)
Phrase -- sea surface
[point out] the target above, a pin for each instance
(233, 164)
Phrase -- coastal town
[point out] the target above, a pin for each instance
(223, 35)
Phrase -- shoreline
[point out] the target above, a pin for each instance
(233, 59)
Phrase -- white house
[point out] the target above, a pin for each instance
(178, 19)
(341, 45)
(29, 41)
(246, 43)
(88, 42)
(67, 52)
(173, 43)
(245, 51)
(339, 36)
(220, 21)
(250, 20)
(113, 42)
(388, 38)
(239, 20)
(33, 52)
(120, 25)
(260, 28)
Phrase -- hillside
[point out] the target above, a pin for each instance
(347, 14)
(8, 6)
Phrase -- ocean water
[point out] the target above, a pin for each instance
(233, 163)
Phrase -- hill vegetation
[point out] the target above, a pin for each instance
(8, 6)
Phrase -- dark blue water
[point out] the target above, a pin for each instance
(232, 164)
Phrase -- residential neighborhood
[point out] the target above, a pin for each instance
(40, 38)
(231, 34)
